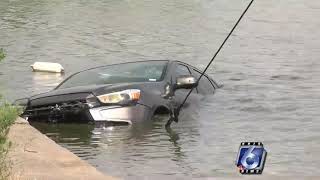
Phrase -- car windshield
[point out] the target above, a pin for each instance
(148, 71)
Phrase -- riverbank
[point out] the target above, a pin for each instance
(8, 114)
(34, 156)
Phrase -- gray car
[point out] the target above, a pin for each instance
(123, 93)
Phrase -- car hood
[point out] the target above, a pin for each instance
(73, 90)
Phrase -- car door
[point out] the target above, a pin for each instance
(180, 94)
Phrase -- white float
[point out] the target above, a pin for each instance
(47, 67)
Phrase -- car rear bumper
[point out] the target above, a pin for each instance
(119, 114)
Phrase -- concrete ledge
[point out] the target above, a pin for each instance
(35, 156)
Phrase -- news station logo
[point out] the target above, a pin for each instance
(251, 158)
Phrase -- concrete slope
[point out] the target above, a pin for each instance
(35, 156)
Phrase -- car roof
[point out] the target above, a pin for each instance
(153, 60)
(187, 65)
(125, 63)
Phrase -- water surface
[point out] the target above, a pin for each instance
(269, 69)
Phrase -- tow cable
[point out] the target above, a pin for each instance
(174, 114)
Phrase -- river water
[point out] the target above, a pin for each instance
(269, 69)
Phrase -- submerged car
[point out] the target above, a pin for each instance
(120, 93)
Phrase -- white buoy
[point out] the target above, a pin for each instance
(47, 67)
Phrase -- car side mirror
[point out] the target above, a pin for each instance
(186, 82)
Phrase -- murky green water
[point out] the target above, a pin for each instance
(269, 68)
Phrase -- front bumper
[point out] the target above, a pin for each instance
(79, 112)
(126, 114)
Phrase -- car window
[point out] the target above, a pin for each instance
(182, 70)
(148, 71)
(205, 86)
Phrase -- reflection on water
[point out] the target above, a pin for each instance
(269, 68)
(138, 147)
(48, 79)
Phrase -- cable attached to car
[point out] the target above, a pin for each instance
(175, 112)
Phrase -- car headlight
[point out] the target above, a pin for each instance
(128, 95)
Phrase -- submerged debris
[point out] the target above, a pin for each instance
(47, 67)
(2, 54)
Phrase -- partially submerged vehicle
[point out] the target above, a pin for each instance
(120, 93)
